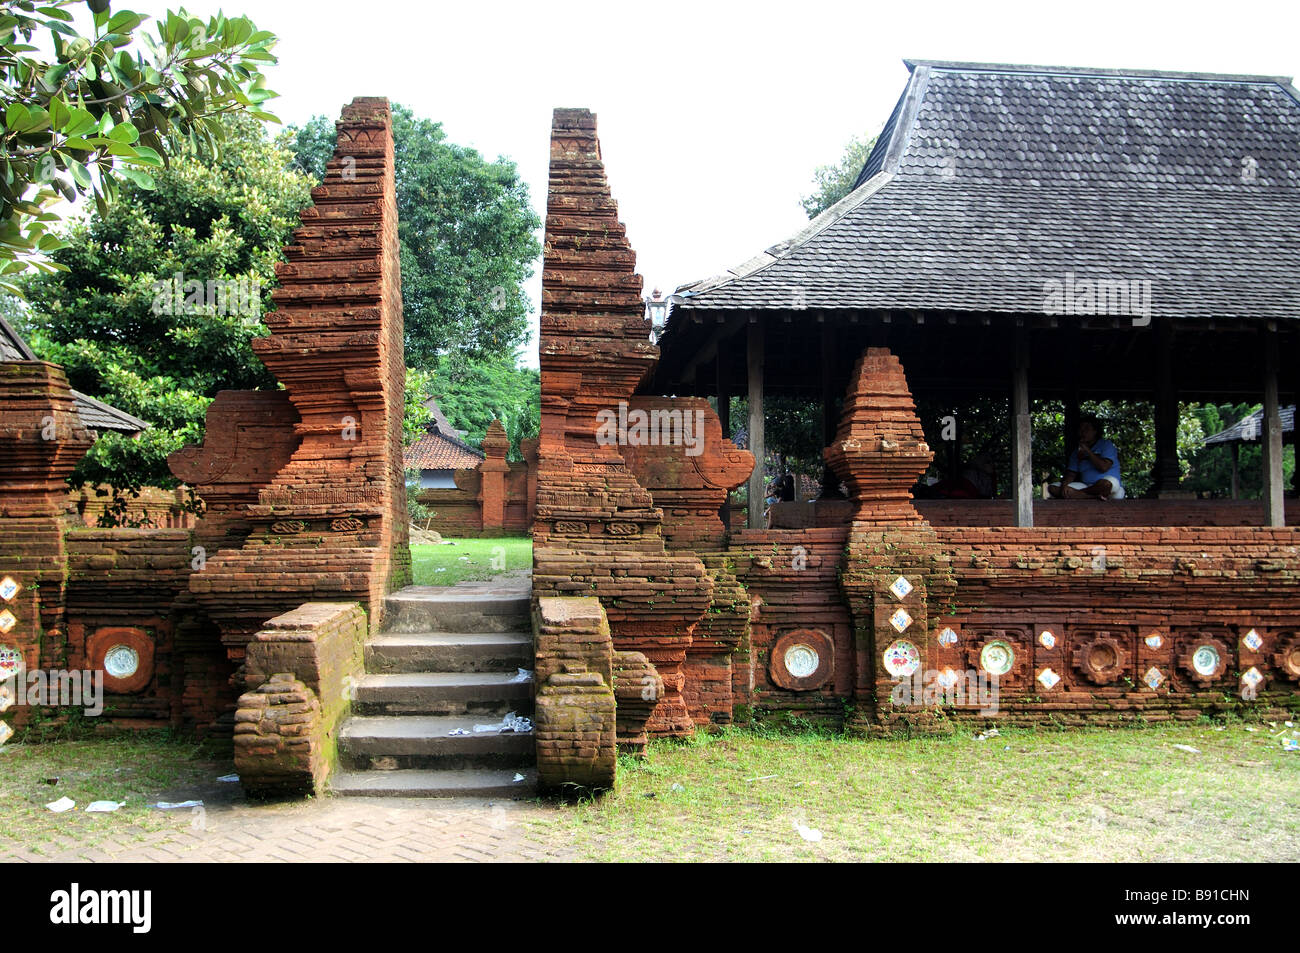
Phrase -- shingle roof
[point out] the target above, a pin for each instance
(441, 447)
(989, 182)
(94, 414)
(1250, 427)
(436, 451)
(12, 346)
(99, 416)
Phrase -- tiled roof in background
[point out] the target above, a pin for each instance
(433, 451)
(441, 447)
(1251, 426)
(95, 414)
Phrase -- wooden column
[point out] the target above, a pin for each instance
(830, 419)
(1236, 468)
(757, 446)
(1166, 475)
(1271, 435)
(724, 418)
(1073, 337)
(1022, 487)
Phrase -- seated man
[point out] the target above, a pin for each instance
(1093, 469)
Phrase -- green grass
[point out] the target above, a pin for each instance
(1092, 795)
(140, 769)
(469, 559)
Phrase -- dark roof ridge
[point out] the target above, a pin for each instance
(958, 66)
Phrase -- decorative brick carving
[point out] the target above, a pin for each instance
(278, 747)
(249, 436)
(1287, 657)
(879, 450)
(1102, 657)
(637, 687)
(598, 531)
(331, 521)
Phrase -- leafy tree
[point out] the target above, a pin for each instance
(467, 234)
(832, 182)
(1210, 467)
(106, 109)
(472, 393)
(113, 318)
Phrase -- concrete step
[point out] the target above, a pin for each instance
(499, 783)
(442, 693)
(462, 608)
(449, 652)
(385, 742)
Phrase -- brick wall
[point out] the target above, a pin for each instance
(497, 498)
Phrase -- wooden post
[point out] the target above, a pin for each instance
(1236, 469)
(757, 487)
(1073, 337)
(830, 420)
(724, 418)
(1022, 489)
(1271, 435)
(1167, 476)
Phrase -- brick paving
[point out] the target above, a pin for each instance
(332, 830)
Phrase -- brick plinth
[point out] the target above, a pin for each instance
(575, 706)
(286, 726)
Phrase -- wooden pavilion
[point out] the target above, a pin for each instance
(1034, 232)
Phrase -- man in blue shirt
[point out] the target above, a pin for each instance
(1093, 469)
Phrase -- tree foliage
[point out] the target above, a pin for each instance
(466, 227)
(115, 322)
(110, 106)
(472, 393)
(833, 182)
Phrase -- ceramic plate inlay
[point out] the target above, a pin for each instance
(996, 658)
(900, 587)
(11, 662)
(121, 661)
(1253, 640)
(1048, 678)
(902, 658)
(1205, 660)
(1153, 678)
(1047, 640)
(801, 660)
(947, 637)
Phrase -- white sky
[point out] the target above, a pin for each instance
(712, 115)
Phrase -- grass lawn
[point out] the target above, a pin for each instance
(469, 559)
(1095, 795)
(140, 769)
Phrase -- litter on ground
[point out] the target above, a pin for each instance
(808, 833)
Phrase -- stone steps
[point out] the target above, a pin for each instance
(480, 782)
(456, 652)
(447, 660)
(442, 693)
(421, 741)
(465, 608)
